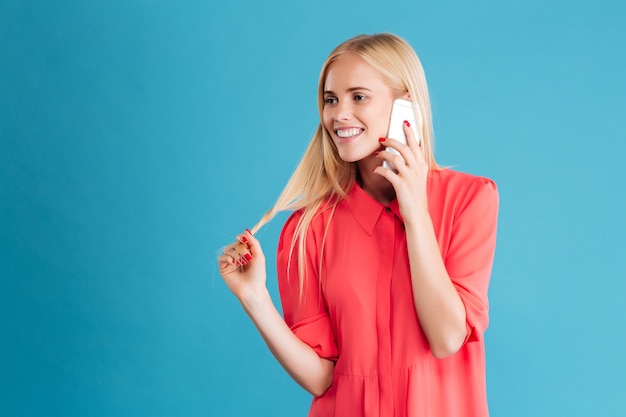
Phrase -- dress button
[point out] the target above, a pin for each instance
(387, 209)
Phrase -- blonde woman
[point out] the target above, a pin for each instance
(383, 273)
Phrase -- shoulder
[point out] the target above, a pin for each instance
(451, 181)
(457, 179)
(461, 189)
(313, 222)
(289, 229)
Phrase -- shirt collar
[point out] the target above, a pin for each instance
(366, 210)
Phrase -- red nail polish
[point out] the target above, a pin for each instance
(376, 153)
(247, 256)
(382, 139)
(248, 230)
(406, 122)
(244, 239)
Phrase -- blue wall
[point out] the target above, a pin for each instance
(138, 137)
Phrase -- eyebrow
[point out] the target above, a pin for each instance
(350, 90)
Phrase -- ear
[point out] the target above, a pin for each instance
(407, 96)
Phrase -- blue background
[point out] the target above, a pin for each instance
(138, 137)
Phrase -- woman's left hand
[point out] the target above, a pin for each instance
(409, 178)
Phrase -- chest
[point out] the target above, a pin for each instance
(363, 269)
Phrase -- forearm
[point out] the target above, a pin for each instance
(439, 307)
(300, 361)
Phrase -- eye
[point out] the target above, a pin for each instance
(359, 97)
(330, 100)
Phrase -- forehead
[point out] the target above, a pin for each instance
(349, 71)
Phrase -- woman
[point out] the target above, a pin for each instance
(383, 273)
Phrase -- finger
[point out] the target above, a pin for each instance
(395, 145)
(254, 246)
(240, 251)
(390, 145)
(412, 141)
(237, 251)
(225, 260)
(415, 144)
(398, 154)
(387, 173)
(242, 238)
(227, 265)
(245, 258)
(392, 157)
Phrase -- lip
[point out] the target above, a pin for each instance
(348, 139)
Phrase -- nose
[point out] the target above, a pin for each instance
(343, 111)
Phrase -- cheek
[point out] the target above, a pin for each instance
(327, 121)
(382, 118)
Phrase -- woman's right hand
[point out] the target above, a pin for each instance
(246, 277)
(242, 266)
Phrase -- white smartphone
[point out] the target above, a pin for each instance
(403, 110)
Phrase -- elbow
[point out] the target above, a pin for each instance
(320, 388)
(443, 352)
(449, 346)
(319, 391)
(319, 385)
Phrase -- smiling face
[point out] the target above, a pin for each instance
(357, 106)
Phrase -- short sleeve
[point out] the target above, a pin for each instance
(472, 247)
(305, 311)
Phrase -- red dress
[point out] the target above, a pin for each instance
(362, 314)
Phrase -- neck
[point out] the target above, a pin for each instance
(376, 186)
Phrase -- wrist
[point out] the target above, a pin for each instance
(255, 300)
(418, 219)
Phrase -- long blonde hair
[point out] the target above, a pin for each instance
(322, 179)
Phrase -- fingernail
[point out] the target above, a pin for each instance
(248, 230)
(406, 122)
(382, 139)
(376, 153)
(244, 239)
(247, 256)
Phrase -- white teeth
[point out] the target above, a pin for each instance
(348, 132)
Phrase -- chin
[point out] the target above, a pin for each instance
(356, 152)
(350, 157)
